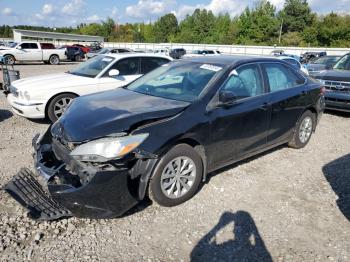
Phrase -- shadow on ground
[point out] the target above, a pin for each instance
(5, 114)
(338, 113)
(245, 244)
(337, 174)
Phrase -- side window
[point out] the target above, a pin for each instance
(281, 77)
(128, 66)
(25, 46)
(150, 63)
(245, 82)
(293, 63)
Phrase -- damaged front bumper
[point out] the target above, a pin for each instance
(79, 189)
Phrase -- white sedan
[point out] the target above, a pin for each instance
(49, 95)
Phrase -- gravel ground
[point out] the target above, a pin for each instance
(285, 205)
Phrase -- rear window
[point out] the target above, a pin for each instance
(47, 46)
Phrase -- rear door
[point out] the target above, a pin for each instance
(241, 128)
(289, 97)
(129, 70)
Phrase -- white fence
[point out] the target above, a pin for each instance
(230, 49)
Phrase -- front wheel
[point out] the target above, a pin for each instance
(303, 130)
(54, 60)
(177, 176)
(9, 60)
(58, 106)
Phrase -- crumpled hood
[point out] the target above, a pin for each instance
(51, 81)
(107, 113)
(335, 75)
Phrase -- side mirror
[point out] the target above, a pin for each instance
(19, 47)
(113, 72)
(227, 97)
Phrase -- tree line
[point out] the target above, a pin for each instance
(294, 25)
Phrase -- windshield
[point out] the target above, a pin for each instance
(343, 63)
(177, 81)
(104, 51)
(92, 67)
(325, 60)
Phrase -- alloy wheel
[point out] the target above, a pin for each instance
(61, 106)
(9, 60)
(54, 60)
(178, 177)
(305, 130)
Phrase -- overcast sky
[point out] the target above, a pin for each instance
(71, 12)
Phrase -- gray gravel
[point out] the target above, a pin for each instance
(278, 205)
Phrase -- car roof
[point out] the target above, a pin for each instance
(124, 55)
(228, 59)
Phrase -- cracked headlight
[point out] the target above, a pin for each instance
(104, 149)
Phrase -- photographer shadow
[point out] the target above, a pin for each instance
(246, 244)
(337, 174)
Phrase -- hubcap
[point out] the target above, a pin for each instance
(305, 130)
(178, 177)
(61, 106)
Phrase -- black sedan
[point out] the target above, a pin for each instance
(162, 134)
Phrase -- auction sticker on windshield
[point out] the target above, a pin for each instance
(211, 67)
(106, 59)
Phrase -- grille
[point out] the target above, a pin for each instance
(338, 86)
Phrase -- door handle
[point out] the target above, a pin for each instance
(265, 106)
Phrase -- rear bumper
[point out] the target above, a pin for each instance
(97, 192)
(338, 101)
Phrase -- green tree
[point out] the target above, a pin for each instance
(296, 15)
(259, 25)
(165, 27)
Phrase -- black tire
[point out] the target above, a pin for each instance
(296, 141)
(51, 107)
(9, 59)
(54, 60)
(155, 191)
(77, 58)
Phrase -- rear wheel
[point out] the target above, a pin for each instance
(177, 176)
(303, 130)
(9, 59)
(58, 106)
(54, 60)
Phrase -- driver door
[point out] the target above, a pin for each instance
(129, 70)
(29, 52)
(241, 127)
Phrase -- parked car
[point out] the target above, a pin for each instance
(277, 52)
(195, 53)
(49, 95)
(322, 63)
(163, 133)
(74, 53)
(108, 50)
(82, 47)
(294, 62)
(337, 83)
(177, 53)
(308, 57)
(33, 51)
